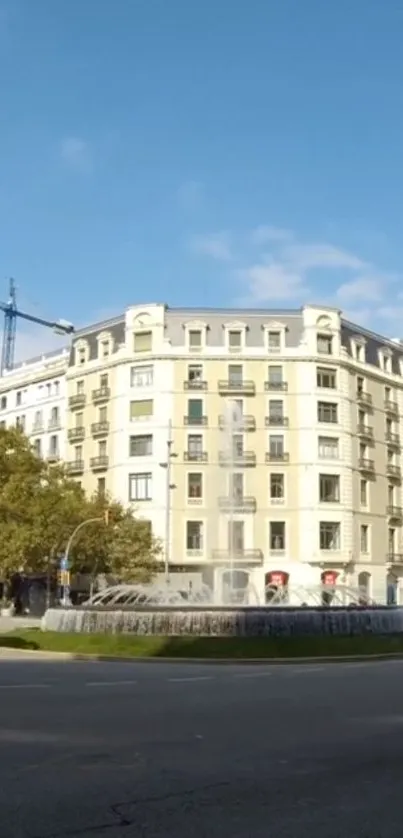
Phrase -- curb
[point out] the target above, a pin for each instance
(6, 651)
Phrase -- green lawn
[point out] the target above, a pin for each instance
(201, 647)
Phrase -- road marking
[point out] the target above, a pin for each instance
(109, 683)
(194, 678)
(253, 675)
(24, 686)
(302, 670)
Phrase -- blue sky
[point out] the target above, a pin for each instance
(201, 153)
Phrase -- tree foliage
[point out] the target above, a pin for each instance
(40, 507)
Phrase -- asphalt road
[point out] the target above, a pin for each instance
(94, 749)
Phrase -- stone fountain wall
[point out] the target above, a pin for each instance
(226, 622)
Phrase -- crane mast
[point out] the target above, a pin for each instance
(11, 312)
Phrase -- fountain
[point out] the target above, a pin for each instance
(231, 607)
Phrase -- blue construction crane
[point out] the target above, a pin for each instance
(11, 312)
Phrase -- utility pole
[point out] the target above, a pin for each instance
(169, 486)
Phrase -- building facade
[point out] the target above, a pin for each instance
(264, 442)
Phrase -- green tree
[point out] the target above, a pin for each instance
(40, 507)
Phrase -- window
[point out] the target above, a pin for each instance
(80, 388)
(54, 445)
(328, 447)
(102, 449)
(329, 488)
(20, 422)
(101, 487)
(195, 376)
(54, 415)
(277, 535)
(236, 536)
(274, 341)
(142, 376)
(364, 492)
(38, 447)
(236, 484)
(237, 445)
(391, 539)
(326, 377)
(195, 412)
(141, 410)
(56, 387)
(195, 486)
(235, 374)
(143, 342)
(3, 403)
(277, 487)
(358, 351)
(234, 340)
(81, 355)
(38, 420)
(360, 385)
(329, 535)
(391, 495)
(364, 538)
(276, 411)
(275, 378)
(18, 398)
(328, 412)
(140, 486)
(195, 339)
(324, 344)
(78, 453)
(141, 446)
(195, 446)
(103, 383)
(104, 348)
(194, 535)
(276, 445)
(3, 425)
(385, 361)
(79, 420)
(103, 414)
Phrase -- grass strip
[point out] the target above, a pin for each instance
(118, 645)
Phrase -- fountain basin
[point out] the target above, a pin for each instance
(202, 621)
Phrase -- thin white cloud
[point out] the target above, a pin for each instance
(267, 233)
(311, 256)
(364, 288)
(272, 281)
(75, 153)
(215, 245)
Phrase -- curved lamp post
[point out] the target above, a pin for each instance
(69, 545)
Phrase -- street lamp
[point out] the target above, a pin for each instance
(65, 560)
(169, 486)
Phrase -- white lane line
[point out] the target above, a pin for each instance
(253, 675)
(194, 678)
(109, 683)
(302, 670)
(24, 686)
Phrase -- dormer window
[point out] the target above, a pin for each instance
(234, 340)
(105, 349)
(195, 339)
(81, 355)
(143, 342)
(274, 337)
(324, 344)
(274, 341)
(385, 360)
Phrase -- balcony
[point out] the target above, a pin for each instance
(277, 457)
(395, 513)
(195, 456)
(276, 421)
(229, 458)
(392, 439)
(237, 504)
(77, 401)
(195, 420)
(102, 394)
(99, 463)
(76, 434)
(195, 384)
(367, 466)
(53, 457)
(75, 467)
(232, 386)
(394, 558)
(99, 428)
(54, 424)
(247, 423)
(38, 428)
(276, 386)
(364, 399)
(365, 431)
(393, 472)
(391, 407)
(240, 555)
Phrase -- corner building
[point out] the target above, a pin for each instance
(303, 485)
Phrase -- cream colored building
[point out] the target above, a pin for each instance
(308, 480)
